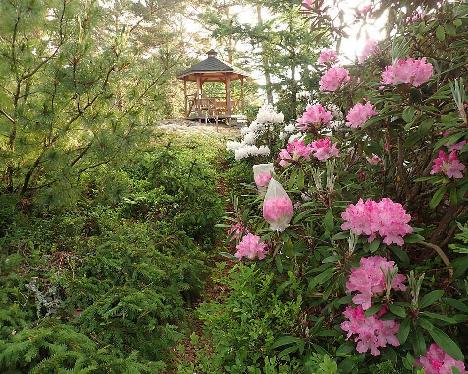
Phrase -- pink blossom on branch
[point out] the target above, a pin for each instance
(436, 361)
(370, 48)
(295, 150)
(327, 56)
(323, 149)
(334, 78)
(448, 164)
(359, 114)
(371, 333)
(307, 4)
(262, 174)
(369, 280)
(386, 218)
(314, 114)
(410, 71)
(251, 247)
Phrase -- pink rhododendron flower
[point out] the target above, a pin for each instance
(277, 207)
(364, 10)
(359, 114)
(334, 78)
(386, 218)
(411, 71)
(371, 332)
(307, 4)
(323, 149)
(295, 150)
(370, 48)
(457, 146)
(314, 114)
(448, 164)
(374, 160)
(369, 280)
(436, 361)
(327, 56)
(251, 247)
(262, 179)
(235, 231)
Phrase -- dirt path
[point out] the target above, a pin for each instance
(192, 127)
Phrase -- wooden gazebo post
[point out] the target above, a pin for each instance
(228, 95)
(185, 98)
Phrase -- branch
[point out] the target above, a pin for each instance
(12, 120)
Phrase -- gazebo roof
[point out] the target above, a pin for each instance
(212, 69)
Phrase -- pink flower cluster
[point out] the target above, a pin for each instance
(334, 78)
(323, 149)
(369, 280)
(295, 150)
(371, 332)
(364, 10)
(436, 361)
(359, 114)
(327, 56)
(386, 218)
(251, 247)
(410, 71)
(448, 164)
(370, 48)
(314, 114)
(307, 4)
(278, 211)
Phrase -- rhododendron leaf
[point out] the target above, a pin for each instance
(321, 278)
(397, 310)
(408, 114)
(300, 180)
(402, 334)
(279, 264)
(438, 196)
(440, 317)
(414, 238)
(419, 344)
(372, 310)
(346, 366)
(286, 340)
(328, 221)
(455, 370)
(408, 360)
(430, 298)
(227, 255)
(448, 345)
(344, 349)
(401, 254)
(341, 235)
(453, 198)
(440, 33)
(458, 22)
(450, 29)
(374, 245)
(457, 304)
(451, 139)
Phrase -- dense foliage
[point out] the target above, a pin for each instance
(330, 283)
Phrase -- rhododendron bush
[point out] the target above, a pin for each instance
(369, 198)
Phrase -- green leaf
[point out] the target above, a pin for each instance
(344, 349)
(374, 245)
(341, 235)
(397, 310)
(447, 344)
(372, 310)
(286, 340)
(440, 33)
(279, 264)
(321, 278)
(419, 344)
(328, 221)
(401, 254)
(408, 114)
(438, 196)
(430, 298)
(440, 317)
(457, 22)
(414, 238)
(402, 334)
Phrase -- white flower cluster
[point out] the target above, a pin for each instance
(267, 114)
(288, 129)
(246, 147)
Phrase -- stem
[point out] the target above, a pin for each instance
(442, 255)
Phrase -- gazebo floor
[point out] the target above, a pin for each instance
(234, 119)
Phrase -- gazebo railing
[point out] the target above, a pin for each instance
(211, 106)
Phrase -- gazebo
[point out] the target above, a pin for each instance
(223, 107)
